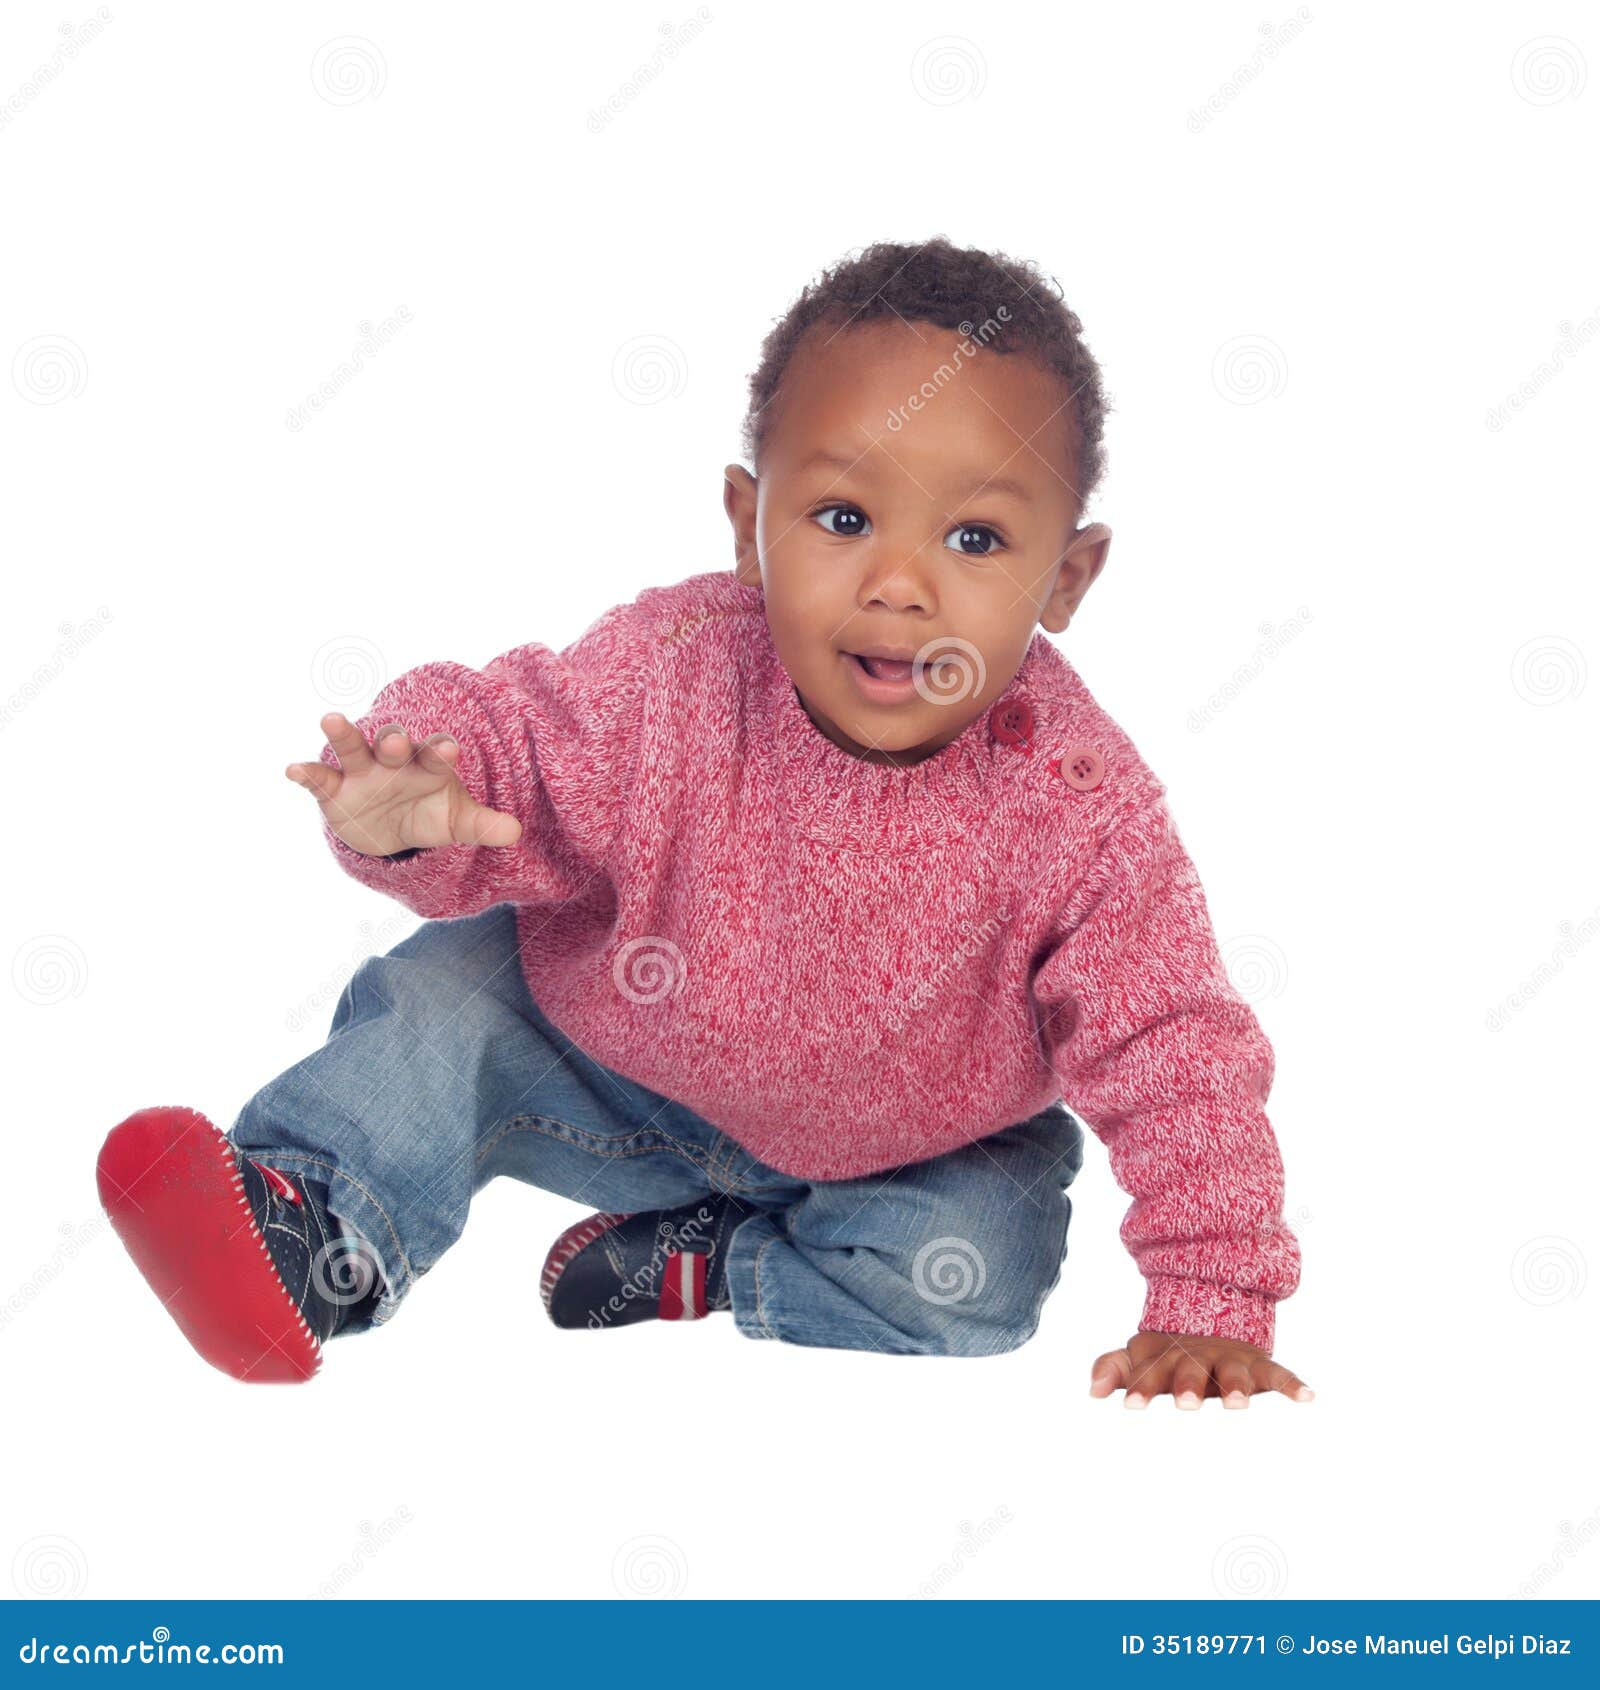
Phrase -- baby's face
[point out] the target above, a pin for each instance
(945, 538)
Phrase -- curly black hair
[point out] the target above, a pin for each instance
(956, 288)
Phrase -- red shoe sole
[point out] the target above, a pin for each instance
(577, 1237)
(170, 1184)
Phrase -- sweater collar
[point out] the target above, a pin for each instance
(881, 808)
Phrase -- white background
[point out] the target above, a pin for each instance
(1311, 288)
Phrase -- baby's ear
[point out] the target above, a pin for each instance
(1079, 568)
(739, 501)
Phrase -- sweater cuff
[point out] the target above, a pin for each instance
(407, 874)
(1198, 1309)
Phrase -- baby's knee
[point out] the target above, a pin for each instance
(985, 1300)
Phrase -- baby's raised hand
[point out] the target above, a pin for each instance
(1191, 1368)
(394, 794)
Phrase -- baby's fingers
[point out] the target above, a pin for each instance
(1234, 1384)
(391, 745)
(345, 738)
(1110, 1372)
(1269, 1376)
(438, 754)
(318, 779)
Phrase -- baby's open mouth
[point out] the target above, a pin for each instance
(883, 668)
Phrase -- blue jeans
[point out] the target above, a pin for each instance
(440, 1073)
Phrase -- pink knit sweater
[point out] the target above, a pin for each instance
(848, 966)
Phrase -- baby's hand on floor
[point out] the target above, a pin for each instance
(394, 794)
(1191, 1368)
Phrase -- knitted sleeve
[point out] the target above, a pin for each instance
(1159, 1054)
(548, 737)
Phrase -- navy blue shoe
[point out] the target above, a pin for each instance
(659, 1264)
(331, 1279)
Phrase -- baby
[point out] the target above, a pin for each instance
(774, 919)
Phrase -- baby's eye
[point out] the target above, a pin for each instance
(848, 516)
(970, 538)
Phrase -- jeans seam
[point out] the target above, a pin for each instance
(761, 1303)
(595, 1144)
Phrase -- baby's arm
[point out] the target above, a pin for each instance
(1157, 1051)
(462, 788)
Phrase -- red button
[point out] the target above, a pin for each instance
(1012, 723)
(1081, 767)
